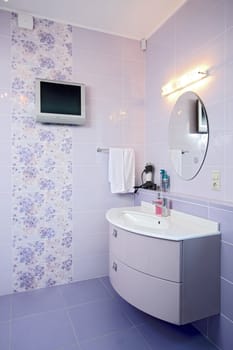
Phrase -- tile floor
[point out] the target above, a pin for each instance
(86, 315)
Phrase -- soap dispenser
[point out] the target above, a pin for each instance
(159, 206)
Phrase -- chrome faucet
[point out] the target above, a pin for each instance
(166, 207)
(162, 206)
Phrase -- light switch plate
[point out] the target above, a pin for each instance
(216, 180)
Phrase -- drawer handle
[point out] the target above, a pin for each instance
(114, 233)
(114, 266)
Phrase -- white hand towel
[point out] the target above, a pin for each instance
(129, 169)
(121, 170)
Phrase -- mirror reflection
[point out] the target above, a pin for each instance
(188, 135)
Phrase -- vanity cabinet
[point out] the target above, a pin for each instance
(176, 281)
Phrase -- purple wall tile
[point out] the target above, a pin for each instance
(202, 326)
(220, 332)
(227, 261)
(5, 308)
(5, 67)
(115, 82)
(204, 45)
(227, 299)
(229, 11)
(220, 329)
(225, 218)
(117, 60)
(190, 208)
(5, 23)
(207, 23)
(229, 46)
(5, 336)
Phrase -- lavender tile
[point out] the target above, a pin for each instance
(124, 340)
(84, 292)
(229, 12)
(220, 332)
(221, 205)
(225, 218)
(201, 326)
(190, 208)
(5, 68)
(227, 299)
(144, 195)
(72, 347)
(46, 331)
(210, 18)
(135, 315)
(227, 261)
(5, 23)
(98, 319)
(229, 75)
(106, 281)
(5, 336)
(162, 335)
(37, 301)
(90, 266)
(5, 308)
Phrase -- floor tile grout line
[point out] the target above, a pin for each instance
(37, 314)
(61, 294)
(107, 289)
(146, 341)
(65, 307)
(210, 341)
(73, 329)
(10, 324)
(68, 307)
(107, 334)
(10, 335)
(226, 280)
(227, 318)
(127, 316)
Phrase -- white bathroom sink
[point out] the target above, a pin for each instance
(177, 226)
(144, 220)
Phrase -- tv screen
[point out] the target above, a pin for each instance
(60, 102)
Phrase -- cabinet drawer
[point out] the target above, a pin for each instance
(156, 257)
(152, 295)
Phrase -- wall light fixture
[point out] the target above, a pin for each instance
(185, 80)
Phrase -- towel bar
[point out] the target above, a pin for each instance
(99, 149)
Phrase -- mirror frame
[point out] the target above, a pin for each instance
(201, 127)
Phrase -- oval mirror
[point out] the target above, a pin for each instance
(188, 135)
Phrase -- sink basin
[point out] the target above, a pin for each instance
(178, 226)
(144, 220)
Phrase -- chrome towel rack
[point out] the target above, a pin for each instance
(105, 150)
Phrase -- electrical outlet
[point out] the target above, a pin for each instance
(216, 183)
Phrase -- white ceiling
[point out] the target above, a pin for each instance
(134, 19)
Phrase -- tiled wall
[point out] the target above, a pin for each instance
(200, 32)
(218, 329)
(113, 69)
(54, 187)
(6, 265)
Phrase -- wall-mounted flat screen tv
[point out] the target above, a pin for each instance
(60, 102)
